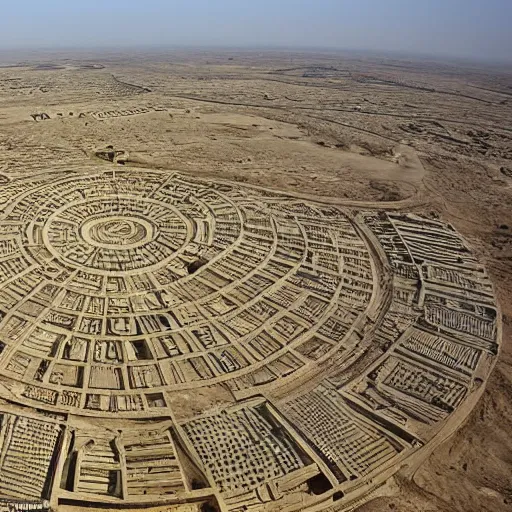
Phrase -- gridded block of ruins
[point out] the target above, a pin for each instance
(145, 464)
(29, 448)
(253, 459)
(442, 348)
(351, 445)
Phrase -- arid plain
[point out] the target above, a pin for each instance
(255, 280)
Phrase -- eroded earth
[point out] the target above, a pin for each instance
(252, 282)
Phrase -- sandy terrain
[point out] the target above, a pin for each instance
(427, 137)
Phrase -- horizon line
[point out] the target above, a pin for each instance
(399, 54)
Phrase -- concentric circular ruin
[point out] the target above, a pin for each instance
(212, 346)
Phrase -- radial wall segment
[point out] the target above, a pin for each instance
(165, 339)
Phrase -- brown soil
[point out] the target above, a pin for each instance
(435, 137)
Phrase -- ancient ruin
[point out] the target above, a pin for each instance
(212, 346)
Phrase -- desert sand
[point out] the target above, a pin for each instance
(254, 281)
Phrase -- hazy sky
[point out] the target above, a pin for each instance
(467, 28)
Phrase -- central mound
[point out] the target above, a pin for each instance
(117, 231)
